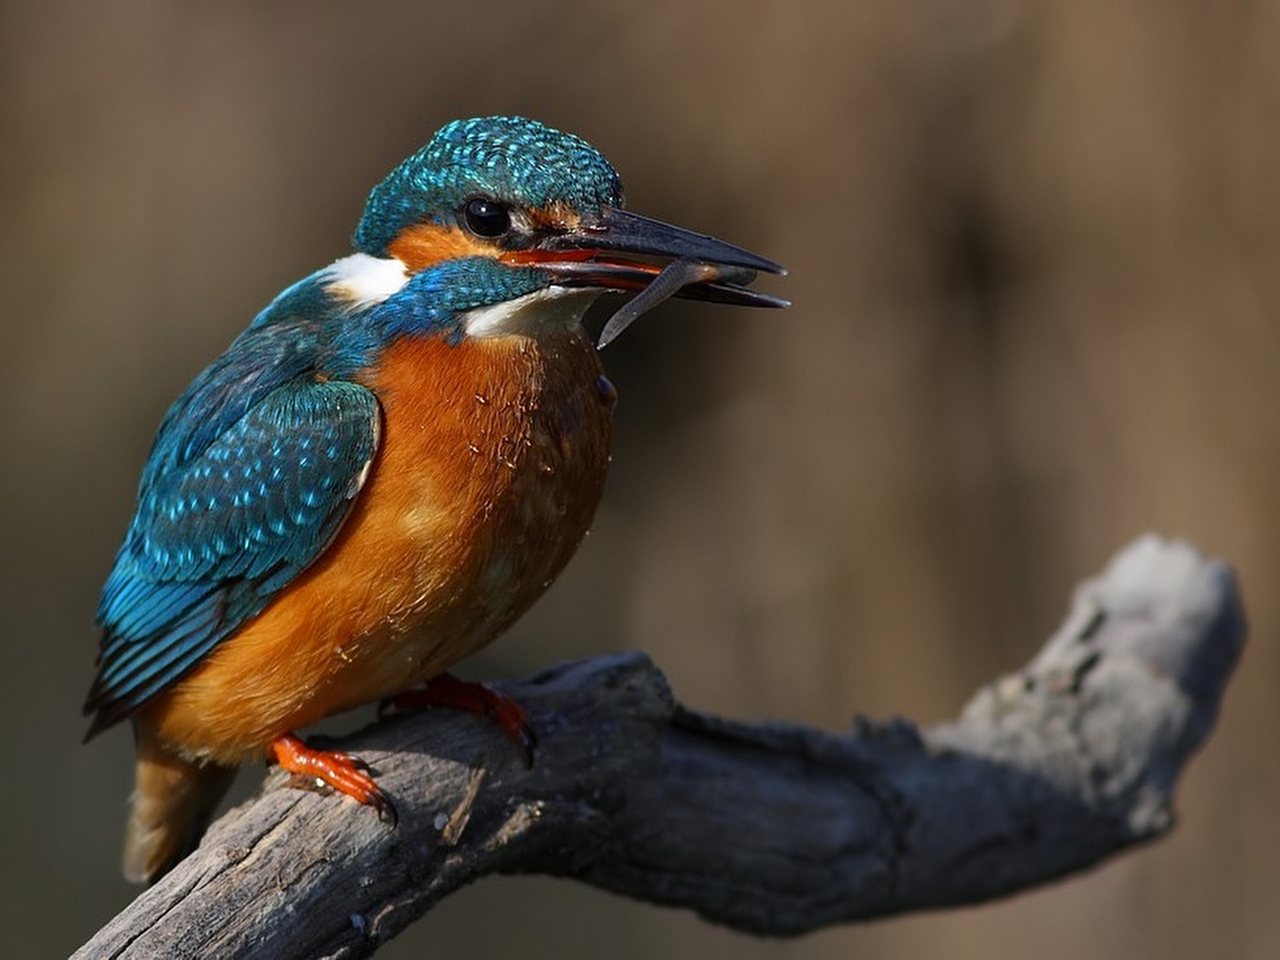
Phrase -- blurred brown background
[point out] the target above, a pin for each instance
(1033, 253)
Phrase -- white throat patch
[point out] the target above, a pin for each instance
(361, 281)
(546, 309)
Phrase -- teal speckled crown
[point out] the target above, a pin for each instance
(519, 161)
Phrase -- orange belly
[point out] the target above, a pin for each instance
(491, 464)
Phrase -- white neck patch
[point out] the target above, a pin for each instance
(547, 309)
(360, 281)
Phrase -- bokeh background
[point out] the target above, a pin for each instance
(1034, 264)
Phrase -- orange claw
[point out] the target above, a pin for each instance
(343, 772)
(446, 690)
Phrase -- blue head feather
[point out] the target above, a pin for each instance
(520, 161)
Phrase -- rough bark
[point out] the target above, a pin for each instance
(772, 828)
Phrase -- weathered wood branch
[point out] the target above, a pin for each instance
(772, 828)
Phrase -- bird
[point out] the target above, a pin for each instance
(387, 467)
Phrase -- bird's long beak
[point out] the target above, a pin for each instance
(624, 251)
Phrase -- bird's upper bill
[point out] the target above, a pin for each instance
(617, 250)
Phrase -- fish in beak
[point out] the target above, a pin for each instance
(626, 252)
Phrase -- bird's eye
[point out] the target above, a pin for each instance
(486, 218)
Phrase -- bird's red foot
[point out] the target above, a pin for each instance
(446, 690)
(343, 772)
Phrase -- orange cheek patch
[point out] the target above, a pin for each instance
(425, 244)
(557, 216)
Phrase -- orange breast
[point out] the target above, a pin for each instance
(491, 465)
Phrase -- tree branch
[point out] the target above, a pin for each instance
(771, 828)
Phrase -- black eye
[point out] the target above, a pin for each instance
(486, 218)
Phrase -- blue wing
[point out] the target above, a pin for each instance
(252, 473)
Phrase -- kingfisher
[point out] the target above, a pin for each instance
(387, 467)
